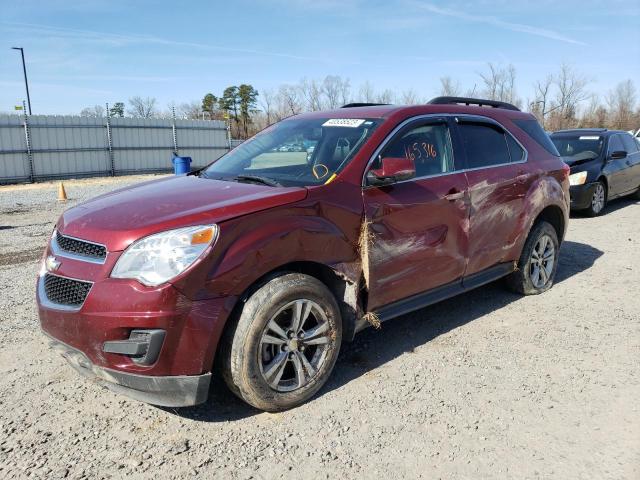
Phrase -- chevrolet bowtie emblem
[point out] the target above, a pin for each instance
(51, 263)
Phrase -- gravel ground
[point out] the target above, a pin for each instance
(486, 385)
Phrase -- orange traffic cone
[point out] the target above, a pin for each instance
(62, 194)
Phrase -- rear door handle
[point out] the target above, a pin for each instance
(522, 177)
(454, 195)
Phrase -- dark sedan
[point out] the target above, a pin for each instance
(605, 164)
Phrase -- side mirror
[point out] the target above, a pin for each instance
(618, 154)
(392, 169)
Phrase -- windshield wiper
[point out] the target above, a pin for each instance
(255, 178)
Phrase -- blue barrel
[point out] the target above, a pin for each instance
(181, 165)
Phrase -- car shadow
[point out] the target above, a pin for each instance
(611, 207)
(373, 348)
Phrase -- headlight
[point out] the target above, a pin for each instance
(158, 258)
(578, 178)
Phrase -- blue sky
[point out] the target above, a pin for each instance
(83, 52)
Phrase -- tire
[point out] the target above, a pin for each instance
(524, 280)
(264, 369)
(598, 200)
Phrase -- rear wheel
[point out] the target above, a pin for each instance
(598, 199)
(285, 343)
(538, 262)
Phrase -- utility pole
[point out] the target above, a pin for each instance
(24, 69)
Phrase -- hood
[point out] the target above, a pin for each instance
(120, 217)
(581, 158)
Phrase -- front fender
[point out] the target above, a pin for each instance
(250, 247)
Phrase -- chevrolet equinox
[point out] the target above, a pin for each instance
(265, 261)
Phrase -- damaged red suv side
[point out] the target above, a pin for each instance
(272, 256)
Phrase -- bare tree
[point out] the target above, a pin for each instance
(331, 92)
(366, 93)
(192, 111)
(571, 91)
(622, 101)
(266, 102)
(541, 100)
(386, 96)
(410, 97)
(449, 87)
(289, 100)
(142, 107)
(311, 91)
(97, 111)
(335, 91)
(500, 83)
(594, 115)
(345, 91)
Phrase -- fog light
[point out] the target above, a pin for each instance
(143, 346)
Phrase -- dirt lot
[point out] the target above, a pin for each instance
(487, 385)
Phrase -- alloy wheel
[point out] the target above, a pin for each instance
(542, 261)
(294, 345)
(597, 201)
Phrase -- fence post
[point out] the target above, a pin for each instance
(110, 143)
(173, 127)
(27, 137)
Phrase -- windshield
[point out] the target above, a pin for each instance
(294, 152)
(578, 147)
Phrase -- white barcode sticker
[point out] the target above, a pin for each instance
(343, 122)
(589, 137)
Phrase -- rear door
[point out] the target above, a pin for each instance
(617, 170)
(632, 160)
(417, 227)
(499, 178)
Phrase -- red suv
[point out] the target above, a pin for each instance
(269, 258)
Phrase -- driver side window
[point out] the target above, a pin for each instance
(428, 146)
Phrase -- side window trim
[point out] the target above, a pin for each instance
(489, 121)
(454, 136)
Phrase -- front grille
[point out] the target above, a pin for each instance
(79, 247)
(65, 291)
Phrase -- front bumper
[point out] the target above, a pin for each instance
(179, 372)
(581, 195)
(167, 391)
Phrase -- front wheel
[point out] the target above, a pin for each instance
(538, 262)
(285, 343)
(598, 200)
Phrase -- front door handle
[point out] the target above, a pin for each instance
(454, 195)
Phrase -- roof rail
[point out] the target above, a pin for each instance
(472, 101)
(352, 105)
(568, 130)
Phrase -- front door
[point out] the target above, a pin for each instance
(417, 228)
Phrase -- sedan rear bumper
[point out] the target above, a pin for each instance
(167, 391)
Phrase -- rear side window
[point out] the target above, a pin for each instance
(484, 144)
(629, 143)
(532, 128)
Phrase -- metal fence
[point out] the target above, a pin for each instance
(44, 147)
